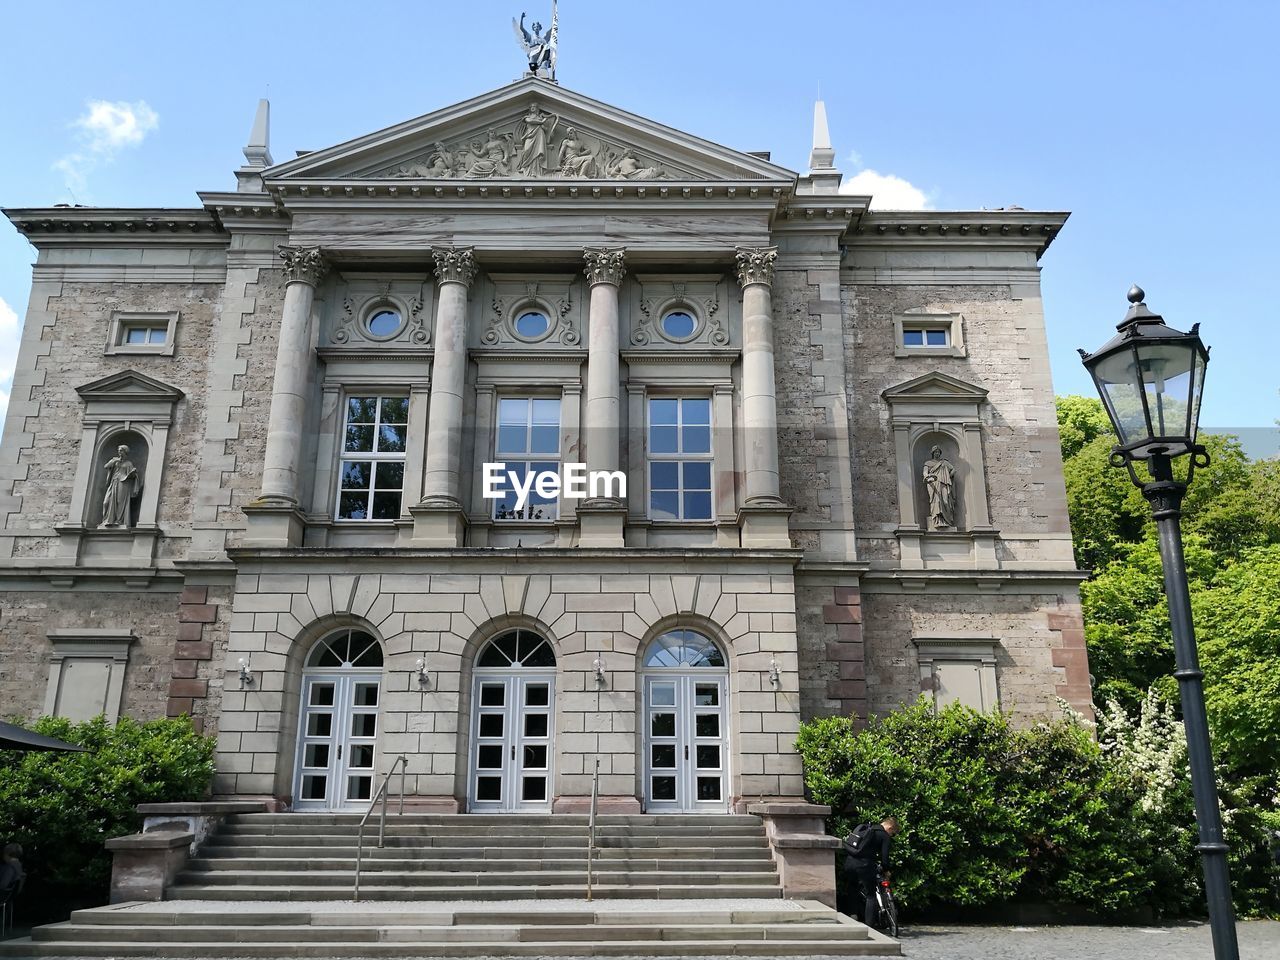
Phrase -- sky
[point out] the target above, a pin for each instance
(1156, 124)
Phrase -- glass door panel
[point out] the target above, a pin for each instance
(685, 746)
(337, 741)
(512, 737)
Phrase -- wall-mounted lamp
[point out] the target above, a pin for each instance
(424, 680)
(246, 676)
(598, 666)
(775, 672)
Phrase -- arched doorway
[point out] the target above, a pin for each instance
(338, 722)
(512, 724)
(686, 744)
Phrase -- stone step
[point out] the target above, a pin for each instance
(482, 865)
(495, 819)
(545, 891)
(622, 874)
(395, 828)
(419, 842)
(220, 850)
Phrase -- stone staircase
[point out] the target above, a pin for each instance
(280, 885)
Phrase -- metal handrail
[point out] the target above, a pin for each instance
(591, 823)
(402, 761)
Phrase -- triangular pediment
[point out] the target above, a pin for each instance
(529, 130)
(936, 387)
(129, 385)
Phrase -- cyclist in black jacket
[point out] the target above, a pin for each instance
(867, 854)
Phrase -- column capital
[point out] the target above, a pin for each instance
(605, 265)
(455, 264)
(302, 264)
(755, 265)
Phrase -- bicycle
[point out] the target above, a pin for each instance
(886, 909)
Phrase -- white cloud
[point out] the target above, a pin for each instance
(104, 130)
(10, 334)
(887, 191)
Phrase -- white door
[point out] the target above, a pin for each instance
(337, 740)
(512, 741)
(686, 743)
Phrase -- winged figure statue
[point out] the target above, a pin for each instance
(539, 49)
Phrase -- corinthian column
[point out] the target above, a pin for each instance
(304, 268)
(601, 518)
(438, 520)
(763, 514)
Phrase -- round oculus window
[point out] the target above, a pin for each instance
(532, 324)
(679, 325)
(383, 322)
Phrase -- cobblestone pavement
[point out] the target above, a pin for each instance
(1259, 940)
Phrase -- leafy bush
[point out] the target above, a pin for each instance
(991, 814)
(62, 806)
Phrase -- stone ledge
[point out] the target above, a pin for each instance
(789, 810)
(155, 840)
(202, 808)
(808, 842)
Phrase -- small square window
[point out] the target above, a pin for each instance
(920, 332)
(142, 333)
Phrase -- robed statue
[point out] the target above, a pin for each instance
(940, 485)
(123, 484)
(539, 49)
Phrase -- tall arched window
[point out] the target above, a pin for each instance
(338, 721)
(512, 723)
(685, 681)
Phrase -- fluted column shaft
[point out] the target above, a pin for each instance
(605, 270)
(304, 269)
(455, 269)
(759, 397)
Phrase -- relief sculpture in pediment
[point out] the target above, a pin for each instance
(537, 146)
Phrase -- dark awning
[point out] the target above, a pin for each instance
(18, 738)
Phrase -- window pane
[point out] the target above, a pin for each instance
(362, 409)
(512, 439)
(493, 694)
(157, 334)
(391, 439)
(366, 693)
(489, 757)
(386, 506)
(389, 475)
(697, 506)
(316, 755)
(695, 410)
(537, 694)
(359, 439)
(661, 694)
(663, 411)
(364, 724)
(535, 788)
(697, 475)
(535, 725)
(664, 475)
(546, 439)
(706, 725)
(355, 474)
(491, 725)
(384, 323)
(395, 409)
(708, 756)
(664, 505)
(135, 335)
(913, 338)
(322, 695)
(707, 694)
(662, 440)
(313, 788)
(664, 788)
(361, 756)
(662, 725)
(513, 410)
(319, 724)
(663, 755)
(488, 788)
(546, 411)
(697, 440)
(708, 788)
(936, 338)
(353, 506)
(535, 756)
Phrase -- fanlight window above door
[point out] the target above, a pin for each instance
(347, 648)
(683, 648)
(517, 648)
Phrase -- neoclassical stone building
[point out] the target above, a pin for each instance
(243, 470)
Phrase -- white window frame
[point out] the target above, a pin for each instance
(526, 459)
(122, 321)
(951, 324)
(680, 456)
(373, 457)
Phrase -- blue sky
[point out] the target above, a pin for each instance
(1154, 123)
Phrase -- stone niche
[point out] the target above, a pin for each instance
(938, 410)
(124, 409)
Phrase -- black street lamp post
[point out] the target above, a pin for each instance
(1150, 378)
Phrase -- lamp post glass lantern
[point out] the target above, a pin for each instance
(1150, 378)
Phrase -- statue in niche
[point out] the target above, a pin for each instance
(491, 157)
(940, 485)
(627, 167)
(123, 484)
(534, 131)
(576, 158)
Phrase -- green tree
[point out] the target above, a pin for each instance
(1081, 420)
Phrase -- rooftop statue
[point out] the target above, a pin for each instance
(539, 50)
